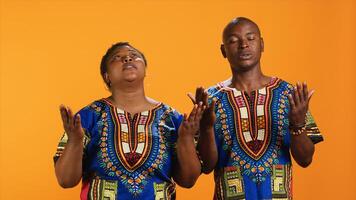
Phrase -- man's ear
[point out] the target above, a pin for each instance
(222, 49)
(262, 45)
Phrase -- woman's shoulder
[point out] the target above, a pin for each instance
(95, 107)
(166, 114)
(171, 115)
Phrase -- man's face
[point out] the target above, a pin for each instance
(242, 45)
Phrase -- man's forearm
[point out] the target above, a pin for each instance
(302, 149)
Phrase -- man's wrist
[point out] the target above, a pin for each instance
(297, 130)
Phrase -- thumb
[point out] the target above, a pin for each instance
(212, 105)
(78, 123)
(310, 94)
(191, 97)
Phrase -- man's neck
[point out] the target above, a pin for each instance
(249, 80)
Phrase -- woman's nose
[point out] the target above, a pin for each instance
(127, 59)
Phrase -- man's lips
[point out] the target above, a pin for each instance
(245, 56)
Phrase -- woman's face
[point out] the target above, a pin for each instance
(125, 65)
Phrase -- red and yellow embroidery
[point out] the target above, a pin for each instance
(253, 134)
(133, 141)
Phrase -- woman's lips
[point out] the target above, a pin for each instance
(128, 66)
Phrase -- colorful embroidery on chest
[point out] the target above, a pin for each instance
(129, 151)
(133, 138)
(253, 132)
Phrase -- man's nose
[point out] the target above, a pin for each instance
(243, 44)
(127, 59)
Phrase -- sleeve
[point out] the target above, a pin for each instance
(312, 129)
(87, 119)
(220, 131)
(176, 119)
(220, 126)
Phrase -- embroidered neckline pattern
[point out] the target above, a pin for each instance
(132, 158)
(253, 119)
(255, 151)
(132, 144)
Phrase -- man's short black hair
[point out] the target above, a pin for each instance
(239, 20)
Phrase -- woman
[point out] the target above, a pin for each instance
(126, 146)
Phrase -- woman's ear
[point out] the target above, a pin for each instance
(107, 80)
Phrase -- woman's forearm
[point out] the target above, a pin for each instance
(188, 166)
(207, 149)
(69, 165)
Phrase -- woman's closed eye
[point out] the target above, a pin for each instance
(116, 58)
(134, 55)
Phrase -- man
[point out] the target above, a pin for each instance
(253, 123)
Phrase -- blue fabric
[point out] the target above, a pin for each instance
(113, 139)
(253, 142)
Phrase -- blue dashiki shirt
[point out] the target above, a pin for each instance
(253, 142)
(127, 156)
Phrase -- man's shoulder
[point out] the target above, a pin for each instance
(217, 88)
(284, 84)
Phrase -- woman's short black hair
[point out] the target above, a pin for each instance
(109, 52)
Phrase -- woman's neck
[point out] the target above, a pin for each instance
(131, 98)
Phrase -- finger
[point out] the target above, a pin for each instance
(185, 117)
(184, 121)
(193, 113)
(64, 114)
(310, 94)
(291, 102)
(296, 96)
(199, 94)
(212, 105)
(77, 122)
(300, 92)
(205, 98)
(191, 97)
(305, 91)
(70, 117)
(199, 112)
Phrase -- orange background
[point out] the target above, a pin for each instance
(51, 50)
